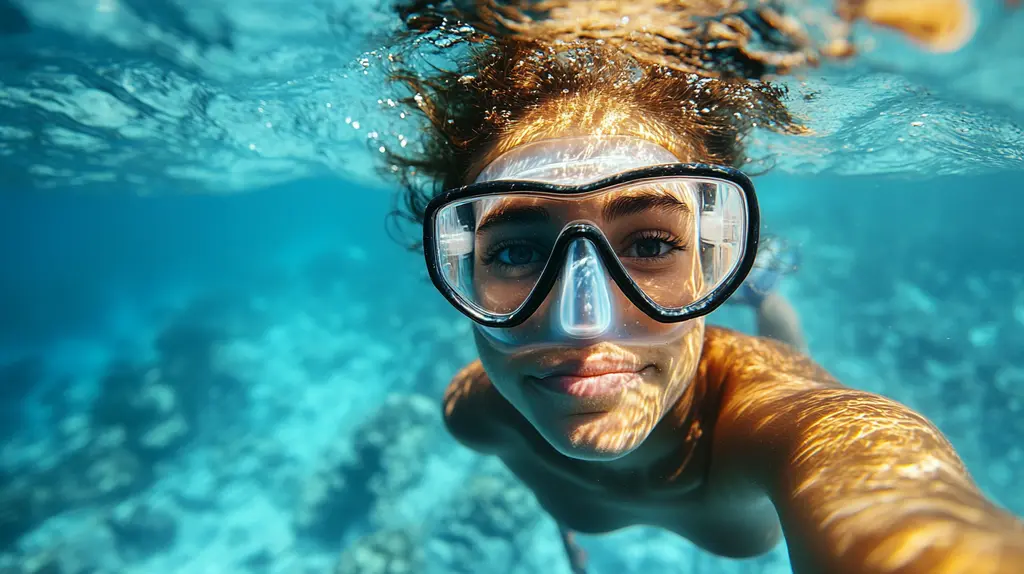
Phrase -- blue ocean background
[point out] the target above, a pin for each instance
(240, 371)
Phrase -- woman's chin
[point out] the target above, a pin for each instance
(597, 437)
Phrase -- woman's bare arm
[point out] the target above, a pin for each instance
(862, 484)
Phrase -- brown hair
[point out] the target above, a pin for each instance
(684, 74)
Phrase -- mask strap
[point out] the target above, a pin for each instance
(576, 160)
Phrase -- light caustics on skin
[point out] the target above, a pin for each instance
(842, 470)
(639, 410)
(619, 419)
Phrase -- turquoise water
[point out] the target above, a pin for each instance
(214, 358)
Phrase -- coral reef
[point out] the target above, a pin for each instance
(489, 523)
(388, 551)
(141, 417)
(42, 563)
(361, 479)
(18, 379)
(141, 529)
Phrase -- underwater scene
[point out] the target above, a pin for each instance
(221, 350)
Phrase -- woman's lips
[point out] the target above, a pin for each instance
(596, 377)
(587, 375)
(589, 386)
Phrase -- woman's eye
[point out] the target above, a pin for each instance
(648, 247)
(518, 255)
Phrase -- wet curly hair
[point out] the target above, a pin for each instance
(690, 75)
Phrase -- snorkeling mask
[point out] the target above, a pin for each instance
(530, 250)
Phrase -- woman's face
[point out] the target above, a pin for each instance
(594, 398)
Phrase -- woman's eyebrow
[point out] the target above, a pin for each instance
(645, 200)
(621, 206)
(513, 214)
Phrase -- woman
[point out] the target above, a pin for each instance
(589, 277)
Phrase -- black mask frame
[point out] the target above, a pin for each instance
(714, 299)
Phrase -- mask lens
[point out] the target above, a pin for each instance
(677, 254)
(677, 238)
(491, 250)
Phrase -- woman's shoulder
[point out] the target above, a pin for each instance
(732, 356)
(473, 409)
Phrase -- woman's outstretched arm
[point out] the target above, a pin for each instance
(862, 484)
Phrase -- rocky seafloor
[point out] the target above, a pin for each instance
(294, 426)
